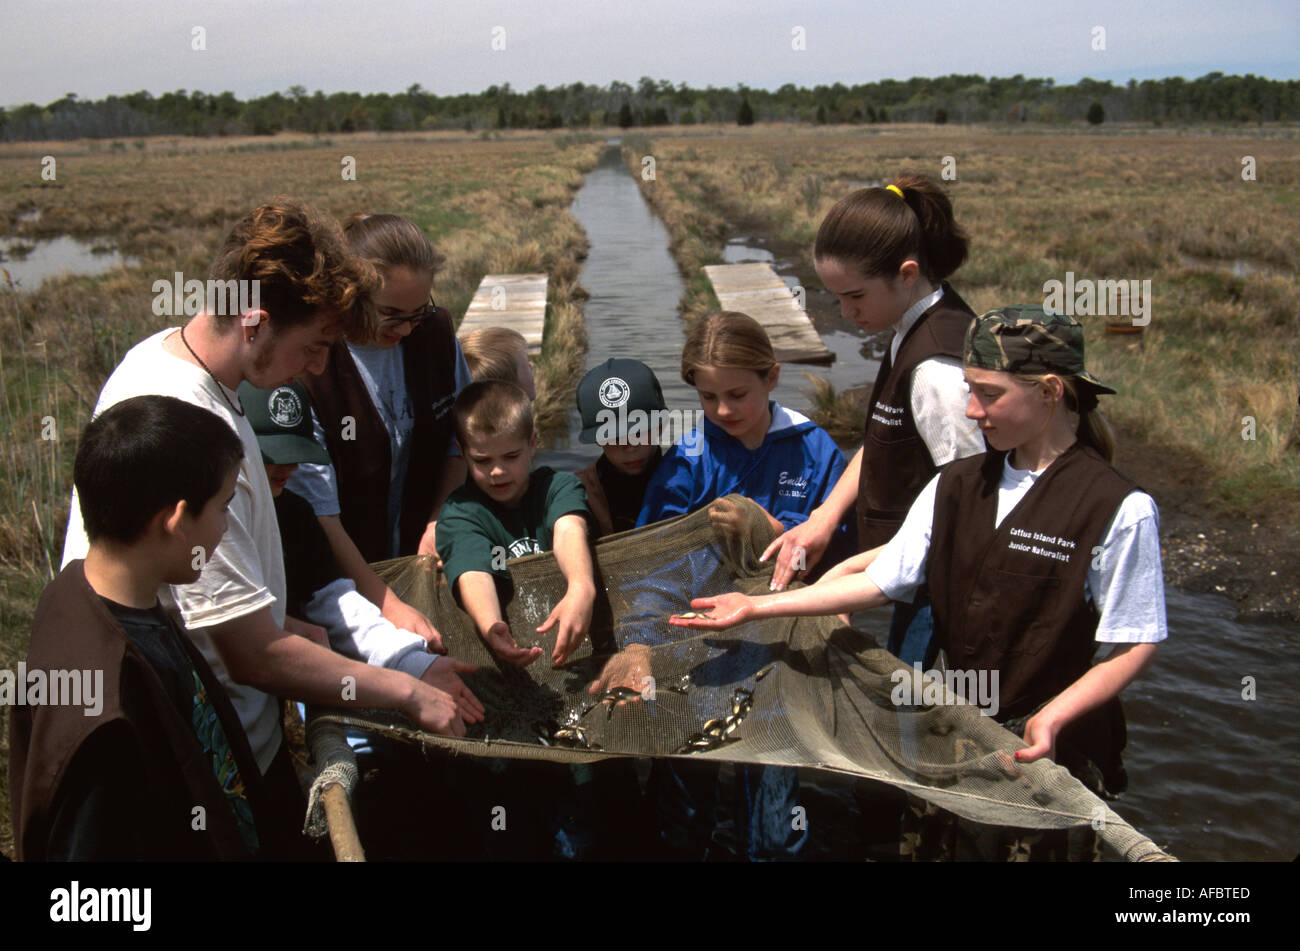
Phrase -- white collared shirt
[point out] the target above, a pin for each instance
(939, 395)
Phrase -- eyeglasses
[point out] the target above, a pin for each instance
(419, 317)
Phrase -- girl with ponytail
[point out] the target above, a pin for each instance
(887, 253)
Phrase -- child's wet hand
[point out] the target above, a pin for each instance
(573, 614)
(798, 551)
(502, 644)
(724, 611)
(630, 667)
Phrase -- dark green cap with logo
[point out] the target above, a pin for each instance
(1027, 339)
(281, 418)
(616, 386)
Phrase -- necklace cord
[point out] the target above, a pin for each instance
(220, 389)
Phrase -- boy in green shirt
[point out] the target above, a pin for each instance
(504, 511)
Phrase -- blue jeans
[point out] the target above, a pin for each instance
(911, 633)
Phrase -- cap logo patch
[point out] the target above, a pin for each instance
(614, 392)
(284, 407)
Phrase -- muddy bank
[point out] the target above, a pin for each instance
(1253, 561)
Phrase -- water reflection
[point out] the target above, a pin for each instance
(30, 262)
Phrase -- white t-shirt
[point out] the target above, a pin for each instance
(939, 396)
(1127, 588)
(246, 571)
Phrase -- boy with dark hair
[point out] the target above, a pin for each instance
(162, 768)
(504, 511)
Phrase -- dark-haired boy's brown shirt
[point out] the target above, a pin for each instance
(614, 497)
(170, 773)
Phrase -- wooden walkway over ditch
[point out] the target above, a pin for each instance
(757, 290)
(517, 301)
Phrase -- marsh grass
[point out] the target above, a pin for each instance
(499, 205)
(1168, 206)
(840, 414)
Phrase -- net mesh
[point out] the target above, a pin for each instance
(806, 692)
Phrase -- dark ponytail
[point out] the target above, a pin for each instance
(874, 231)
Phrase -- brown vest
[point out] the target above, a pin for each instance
(1012, 599)
(896, 464)
(363, 464)
(74, 629)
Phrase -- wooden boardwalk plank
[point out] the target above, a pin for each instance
(757, 290)
(517, 301)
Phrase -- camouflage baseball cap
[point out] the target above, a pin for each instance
(1026, 339)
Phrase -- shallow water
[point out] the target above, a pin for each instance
(1212, 776)
(49, 257)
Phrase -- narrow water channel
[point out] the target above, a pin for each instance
(1212, 775)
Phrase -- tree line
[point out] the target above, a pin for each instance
(1214, 97)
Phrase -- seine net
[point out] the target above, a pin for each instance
(807, 692)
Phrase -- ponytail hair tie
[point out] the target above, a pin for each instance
(896, 190)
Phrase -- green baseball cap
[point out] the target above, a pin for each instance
(281, 418)
(1027, 339)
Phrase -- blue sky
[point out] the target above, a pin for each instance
(254, 46)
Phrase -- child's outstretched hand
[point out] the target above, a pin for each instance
(502, 644)
(724, 611)
(630, 667)
(573, 614)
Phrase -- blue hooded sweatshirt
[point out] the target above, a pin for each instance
(790, 474)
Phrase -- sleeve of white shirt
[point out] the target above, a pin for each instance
(900, 568)
(939, 399)
(316, 482)
(232, 584)
(1125, 576)
(357, 629)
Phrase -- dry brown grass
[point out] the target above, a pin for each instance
(489, 206)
